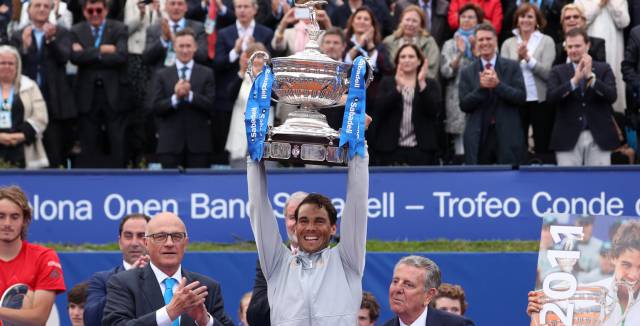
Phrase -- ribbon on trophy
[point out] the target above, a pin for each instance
(354, 110)
(257, 112)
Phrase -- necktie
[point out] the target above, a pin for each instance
(211, 39)
(175, 28)
(183, 72)
(168, 295)
(488, 65)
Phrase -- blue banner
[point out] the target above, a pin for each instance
(412, 204)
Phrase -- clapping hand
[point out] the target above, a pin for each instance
(186, 298)
(523, 53)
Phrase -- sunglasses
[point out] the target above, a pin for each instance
(96, 11)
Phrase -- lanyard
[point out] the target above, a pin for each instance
(98, 39)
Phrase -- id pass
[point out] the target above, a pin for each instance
(5, 119)
(209, 25)
(170, 59)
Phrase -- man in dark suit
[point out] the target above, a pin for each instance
(436, 12)
(572, 16)
(158, 51)
(131, 243)
(631, 69)
(415, 283)
(183, 97)
(163, 292)
(491, 93)
(45, 49)
(99, 49)
(232, 41)
(582, 91)
(199, 10)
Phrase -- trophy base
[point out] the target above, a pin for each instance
(305, 138)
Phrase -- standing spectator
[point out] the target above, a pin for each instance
(342, 15)
(549, 9)
(492, 92)
(607, 19)
(492, 12)
(232, 41)
(131, 245)
(457, 53)
(158, 48)
(450, 298)
(408, 107)
(573, 17)
(58, 15)
(435, 12)
(414, 285)
(183, 96)
(199, 11)
(631, 69)
(369, 310)
(99, 49)
(535, 52)
(22, 262)
(410, 30)
(582, 92)
(45, 49)
(76, 298)
(23, 114)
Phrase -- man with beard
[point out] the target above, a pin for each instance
(24, 263)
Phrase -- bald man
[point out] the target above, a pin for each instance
(163, 293)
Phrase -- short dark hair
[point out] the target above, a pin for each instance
(321, 202)
(370, 303)
(130, 216)
(487, 27)
(472, 6)
(627, 238)
(415, 48)
(18, 197)
(541, 22)
(335, 31)
(103, 2)
(577, 32)
(186, 31)
(453, 292)
(78, 293)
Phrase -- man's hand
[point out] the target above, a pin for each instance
(26, 37)
(141, 262)
(186, 88)
(177, 89)
(588, 62)
(76, 47)
(199, 314)
(493, 78)
(49, 31)
(166, 30)
(367, 121)
(238, 45)
(578, 75)
(534, 306)
(186, 298)
(107, 49)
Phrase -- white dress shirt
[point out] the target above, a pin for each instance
(421, 321)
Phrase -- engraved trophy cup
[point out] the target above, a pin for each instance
(310, 80)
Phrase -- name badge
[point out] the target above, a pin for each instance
(170, 59)
(209, 25)
(5, 119)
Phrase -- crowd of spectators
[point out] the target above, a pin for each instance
(115, 94)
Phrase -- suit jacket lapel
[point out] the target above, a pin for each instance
(431, 315)
(151, 289)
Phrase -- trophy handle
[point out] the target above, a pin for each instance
(369, 76)
(250, 63)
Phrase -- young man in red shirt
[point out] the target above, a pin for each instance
(24, 263)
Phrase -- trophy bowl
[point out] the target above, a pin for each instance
(591, 306)
(310, 80)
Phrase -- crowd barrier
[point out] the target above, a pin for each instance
(470, 203)
(496, 284)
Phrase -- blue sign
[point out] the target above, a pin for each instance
(413, 204)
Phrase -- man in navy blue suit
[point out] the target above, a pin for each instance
(131, 242)
(415, 283)
(232, 41)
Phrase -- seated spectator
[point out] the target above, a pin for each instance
(450, 298)
(535, 52)
(408, 105)
(435, 13)
(23, 114)
(414, 285)
(287, 41)
(77, 297)
(582, 92)
(242, 310)
(58, 15)
(492, 12)
(572, 16)
(607, 20)
(45, 49)
(457, 53)
(411, 30)
(341, 16)
(369, 310)
(241, 86)
(183, 97)
(491, 92)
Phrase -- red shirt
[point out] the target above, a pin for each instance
(37, 266)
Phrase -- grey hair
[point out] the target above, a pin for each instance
(296, 196)
(51, 3)
(431, 270)
(8, 49)
(253, 2)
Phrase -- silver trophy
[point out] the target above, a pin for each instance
(310, 80)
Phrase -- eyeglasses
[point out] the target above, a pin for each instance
(574, 17)
(96, 11)
(161, 237)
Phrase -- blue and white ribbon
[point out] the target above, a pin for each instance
(257, 113)
(354, 110)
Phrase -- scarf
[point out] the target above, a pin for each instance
(466, 34)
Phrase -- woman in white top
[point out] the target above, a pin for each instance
(607, 19)
(535, 52)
